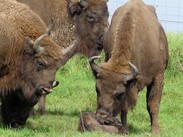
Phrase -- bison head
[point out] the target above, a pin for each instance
(91, 21)
(111, 88)
(41, 60)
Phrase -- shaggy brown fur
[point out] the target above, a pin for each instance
(91, 122)
(26, 69)
(73, 20)
(136, 36)
(63, 33)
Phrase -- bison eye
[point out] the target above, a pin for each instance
(119, 95)
(90, 18)
(40, 65)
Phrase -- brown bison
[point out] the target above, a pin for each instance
(92, 122)
(83, 20)
(137, 49)
(29, 60)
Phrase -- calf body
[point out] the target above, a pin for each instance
(137, 55)
(91, 122)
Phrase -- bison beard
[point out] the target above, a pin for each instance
(15, 109)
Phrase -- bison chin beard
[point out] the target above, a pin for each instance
(15, 109)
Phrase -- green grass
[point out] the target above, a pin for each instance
(76, 93)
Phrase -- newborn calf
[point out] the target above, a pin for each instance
(91, 122)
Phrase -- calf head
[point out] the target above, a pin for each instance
(111, 87)
(91, 21)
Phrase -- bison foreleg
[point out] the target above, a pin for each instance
(153, 98)
(124, 121)
(128, 102)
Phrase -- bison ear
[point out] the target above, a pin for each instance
(76, 6)
(28, 46)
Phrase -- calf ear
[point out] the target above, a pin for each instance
(76, 6)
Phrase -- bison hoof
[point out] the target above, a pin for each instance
(155, 130)
(123, 130)
(32, 113)
(42, 112)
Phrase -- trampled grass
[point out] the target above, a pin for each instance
(76, 93)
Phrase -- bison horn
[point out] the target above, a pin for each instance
(55, 83)
(134, 72)
(51, 26)
(68, 49)
(69, 52)
(95, 67)
(36, 46)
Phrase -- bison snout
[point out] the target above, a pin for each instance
(100, 40)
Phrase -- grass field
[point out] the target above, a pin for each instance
(76, 93)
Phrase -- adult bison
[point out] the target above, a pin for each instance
(88, 19)
(83, 20)
(29, 60)
(138, 48)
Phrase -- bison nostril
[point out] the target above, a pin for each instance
(102, 39)
(99, 47)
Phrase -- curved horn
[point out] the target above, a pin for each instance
(68, 49)
(95, 67)
(134, 72)
(51, 26)
(36, 46)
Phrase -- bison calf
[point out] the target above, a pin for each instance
(92, 122)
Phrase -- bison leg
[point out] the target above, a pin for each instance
(41, 104)
(128, 102)
(153, 98)
(124, 121)
(32, 113)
